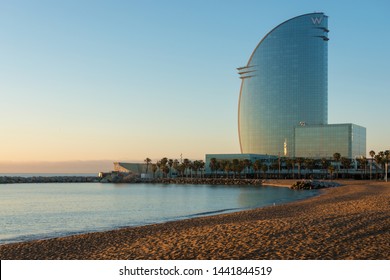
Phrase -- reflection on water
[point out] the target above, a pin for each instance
(34, 211)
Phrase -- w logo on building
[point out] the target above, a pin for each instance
(316, 20)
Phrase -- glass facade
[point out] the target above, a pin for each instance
(284, 84)
(324, 140)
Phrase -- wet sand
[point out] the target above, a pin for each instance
(348, 222)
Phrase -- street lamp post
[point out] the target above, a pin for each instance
(387, 152)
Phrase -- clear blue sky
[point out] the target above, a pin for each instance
(126, 80)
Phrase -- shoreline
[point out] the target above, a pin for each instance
(272, 183)
(318, 184)
(126, 179)
(348, 222)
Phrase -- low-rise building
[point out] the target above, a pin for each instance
(322, 141)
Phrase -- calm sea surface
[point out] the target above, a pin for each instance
(38, 211)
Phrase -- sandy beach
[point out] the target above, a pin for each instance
(348, 222)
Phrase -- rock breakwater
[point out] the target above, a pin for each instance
(48, 179)
(208, 181)
(313, 185)
(120, 178)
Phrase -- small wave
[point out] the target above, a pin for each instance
(213, 212)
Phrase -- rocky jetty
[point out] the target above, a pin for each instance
(126, 178)
(122, 178)
(208, 181)
(313, 185)
(116, 177)
(48, 179)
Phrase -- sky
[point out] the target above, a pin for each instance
(85, 83)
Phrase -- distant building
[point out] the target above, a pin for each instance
(322, 141)
(135, 168)
(140, 169)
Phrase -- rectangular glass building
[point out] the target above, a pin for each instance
(322, 141)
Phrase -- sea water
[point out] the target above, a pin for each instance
(40, 211)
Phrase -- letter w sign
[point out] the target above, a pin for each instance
(316, 20)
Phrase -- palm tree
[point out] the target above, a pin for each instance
(187, 164)
(247, 164)
(213, 166)
(226, 165)
(299, 161)
(164, 161)
(331, 170)
(176, 164)
(378, 159)
(257, 166)
(221, 165)
(292, 162)
(196, 166)
(324, 164)
(154, 169)
(165, 170)
(289, 165)
(372, 154)
(274, 166)
(181, 168)
(159, 165)
(191, 168)
(386, 158)
(346, 162)
(310, 164)
(235, 166)
(170, 164)
(147, 161)
(201, 167)
(383, 161)
(363, 163)
(162, 164)
(281, 162)
(336, 157)
(264, 168)
(240, 167)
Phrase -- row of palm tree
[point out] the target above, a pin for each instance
(283, 164)
(381, 159)
(235, 167)
(173, 167)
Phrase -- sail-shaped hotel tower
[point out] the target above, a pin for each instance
(283, 103)
(284, 85)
